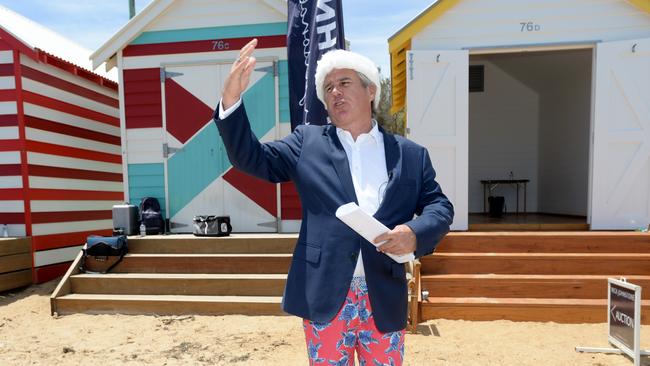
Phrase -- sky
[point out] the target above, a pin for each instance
(367, 23)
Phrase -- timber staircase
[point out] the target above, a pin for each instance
(521, 276)
(532, 276)
(183, 274)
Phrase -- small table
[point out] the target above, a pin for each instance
(490, 184)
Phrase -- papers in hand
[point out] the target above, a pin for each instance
(367, 226)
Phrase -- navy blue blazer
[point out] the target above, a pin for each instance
(326, 253)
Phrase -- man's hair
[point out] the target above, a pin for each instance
(341, 59)
(364, 80)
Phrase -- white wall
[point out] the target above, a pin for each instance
(492, 23)
(503, 136)
(565, 122)
(190, 14)
(561, 83)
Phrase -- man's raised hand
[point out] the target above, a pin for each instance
(239, 76)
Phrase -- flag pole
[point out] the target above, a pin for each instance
(131, 9)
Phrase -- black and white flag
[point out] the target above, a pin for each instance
(314, 27)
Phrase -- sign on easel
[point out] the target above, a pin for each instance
(624, 320)
(624, 324)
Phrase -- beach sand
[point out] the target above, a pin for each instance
(29, 335)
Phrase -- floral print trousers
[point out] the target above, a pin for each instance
(353, 329)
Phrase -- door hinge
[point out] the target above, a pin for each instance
(168, 150)
(411, 65)
(168, 75)
(271, 224)
(270, 69)
(177, 225)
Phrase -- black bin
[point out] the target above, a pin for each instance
(496, 203)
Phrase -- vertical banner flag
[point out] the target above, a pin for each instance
(314, 27)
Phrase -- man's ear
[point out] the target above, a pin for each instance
(372, 88)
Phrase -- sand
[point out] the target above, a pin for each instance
(29, 335)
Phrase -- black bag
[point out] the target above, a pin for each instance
(103, 253)
(211, 225)
(151, 216)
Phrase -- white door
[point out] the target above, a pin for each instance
(437, 118)
(620, 181)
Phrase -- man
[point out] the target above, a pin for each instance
(351, 295)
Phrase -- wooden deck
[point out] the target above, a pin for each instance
(183, 274)
(522, 276)
(527, 222)
(532, 276)
(15, 263)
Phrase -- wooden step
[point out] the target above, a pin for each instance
(204, 263)
(518, 309)
(15, 262)
(9, 246)
(537, 276)
(524, 286)
(236, 243)
(168, 304)
(179, 284)
(12, 280)
(615, 265)
(470, 242)
(530, 226)
(545, 242)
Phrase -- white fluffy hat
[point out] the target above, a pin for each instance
(341, 59)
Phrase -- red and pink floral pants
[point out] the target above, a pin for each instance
(353, 329)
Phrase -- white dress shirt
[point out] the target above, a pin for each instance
(367, 163)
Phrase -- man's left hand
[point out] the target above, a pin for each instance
(399, 241)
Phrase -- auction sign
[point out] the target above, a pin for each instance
(624, 314)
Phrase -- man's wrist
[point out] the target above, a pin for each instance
(225, 112)
(228, 101)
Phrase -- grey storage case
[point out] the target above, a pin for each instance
(126, 219)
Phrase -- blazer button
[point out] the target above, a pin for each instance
(353, 257)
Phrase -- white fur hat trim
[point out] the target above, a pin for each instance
(341, 59)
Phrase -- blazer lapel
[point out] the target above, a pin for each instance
(340, 162)
(393, 165)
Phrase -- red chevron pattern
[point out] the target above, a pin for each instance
(185, 113)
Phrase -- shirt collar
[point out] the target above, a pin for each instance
(374, 133)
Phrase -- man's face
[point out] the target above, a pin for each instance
(347, 100)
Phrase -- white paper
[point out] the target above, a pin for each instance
(367, 226)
